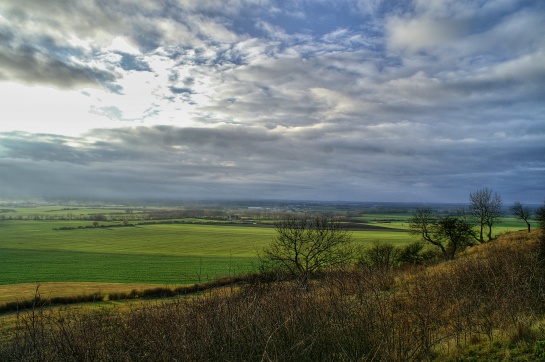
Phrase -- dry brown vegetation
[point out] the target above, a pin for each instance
(18, 292)
(489, 294)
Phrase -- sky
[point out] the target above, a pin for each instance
(349, 100)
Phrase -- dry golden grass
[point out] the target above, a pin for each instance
(19, 292)
(507, 240)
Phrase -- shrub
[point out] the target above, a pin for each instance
(157, 293)
(118, 296)
(383, 256)
(411, 253)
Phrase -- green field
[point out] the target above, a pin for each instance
(159, 239)
(36, 266)
(32, 252)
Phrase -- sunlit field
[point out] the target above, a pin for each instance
(167, 254)
(36, 251)
(31, 251)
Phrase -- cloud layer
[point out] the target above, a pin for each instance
(348, 100)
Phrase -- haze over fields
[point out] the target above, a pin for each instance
(422, 100)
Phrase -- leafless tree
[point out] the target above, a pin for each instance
(306, 246)
(522, 213)
(424, 224)
(485, 205)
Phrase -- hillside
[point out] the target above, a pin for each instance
(487, 304)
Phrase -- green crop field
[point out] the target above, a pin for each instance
(37, 266)
(158, 239)
(32, 251)
(46, 211)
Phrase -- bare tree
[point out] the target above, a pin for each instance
(306, 246)
(424, 224)
(485, 205)
(450, 233)
(522, 213)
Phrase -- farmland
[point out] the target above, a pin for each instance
(59, 244)
(165, 254)
(31, 251)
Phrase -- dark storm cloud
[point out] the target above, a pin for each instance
(19, 145)
(237, 158)
(165, 159)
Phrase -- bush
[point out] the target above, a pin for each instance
(38, 302)
(383, 256)
(157, 293)
(118, 296)
(411, 253)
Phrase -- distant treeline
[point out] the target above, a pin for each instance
(7, 210)
(160, 214)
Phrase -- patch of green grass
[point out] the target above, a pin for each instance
(30, 251)
(35, 266)
(393, 237)
(159, 239)
(511, 224)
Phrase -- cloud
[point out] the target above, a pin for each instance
(299, 163)
(422, 34)
(36, 50)
(39, 147)
(413, 101)
(28, 64)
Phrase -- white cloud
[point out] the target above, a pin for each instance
(275, 32)
(338, 104)
(422, 34)
(120, 44)
(46, 110)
